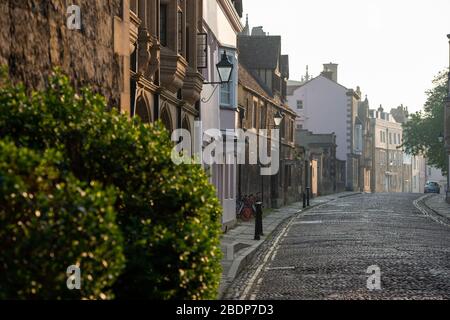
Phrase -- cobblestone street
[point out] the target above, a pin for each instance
(324, 253)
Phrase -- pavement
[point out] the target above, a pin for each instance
(238, 244)
(438, 204)
(365, 247)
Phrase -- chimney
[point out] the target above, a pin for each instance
(258, 31)
(331, 68)
(327, 74)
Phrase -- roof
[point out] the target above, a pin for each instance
(284, 66)
(249, 81)
(259, 52)
(307, 138)
(294, 85)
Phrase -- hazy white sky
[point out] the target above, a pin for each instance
(392, 49)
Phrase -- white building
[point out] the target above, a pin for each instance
(418, 174)
(219, 102)
(390, 170)
(324, 106)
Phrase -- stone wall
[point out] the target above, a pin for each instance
(34, 39)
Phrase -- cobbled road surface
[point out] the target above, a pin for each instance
(325, 253)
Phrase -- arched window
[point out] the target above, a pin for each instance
(186, 125)
(166, 119)
(142, 110)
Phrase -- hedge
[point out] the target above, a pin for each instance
(169, 215)
(49, 222)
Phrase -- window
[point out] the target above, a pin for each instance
(227, 181)
(228, 90)
(381, 136)
(390, 138)
(358, 138)
(395, 138)
(163, 25)
(180, 32)
(300, 126)
(254, 114)
(292, 131)
(247, 111)
(288, 172)
(382, 157)
(225, 94)
(300, 104)
(202, 51)
(262, 118)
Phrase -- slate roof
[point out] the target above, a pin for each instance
(259, 52)
(284, 66)
(249, 80)
(294, 85)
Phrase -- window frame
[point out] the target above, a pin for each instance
(163, 11)
(232, 85)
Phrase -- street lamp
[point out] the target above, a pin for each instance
(225, 70)
(278, 118)
(441, 138)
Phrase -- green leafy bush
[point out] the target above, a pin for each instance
(49, 222)
(168, 214)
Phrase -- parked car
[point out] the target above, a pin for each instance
(432, 187)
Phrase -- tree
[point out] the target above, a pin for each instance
(422, 131)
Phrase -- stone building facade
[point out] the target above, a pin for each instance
(164, 79)
(263, 75)
(40, 40)
(364, 140)
(140, 54)
(320, 150)
(219, 103)
(324, 106)
(387, 155)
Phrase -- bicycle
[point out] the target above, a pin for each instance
(246, 208)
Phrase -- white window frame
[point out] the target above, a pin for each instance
(232, 85)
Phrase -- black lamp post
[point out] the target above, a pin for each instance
(225, 70)
(259, 230)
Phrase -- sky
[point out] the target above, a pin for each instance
(392, 49)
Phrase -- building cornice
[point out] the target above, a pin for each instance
(231, 14)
